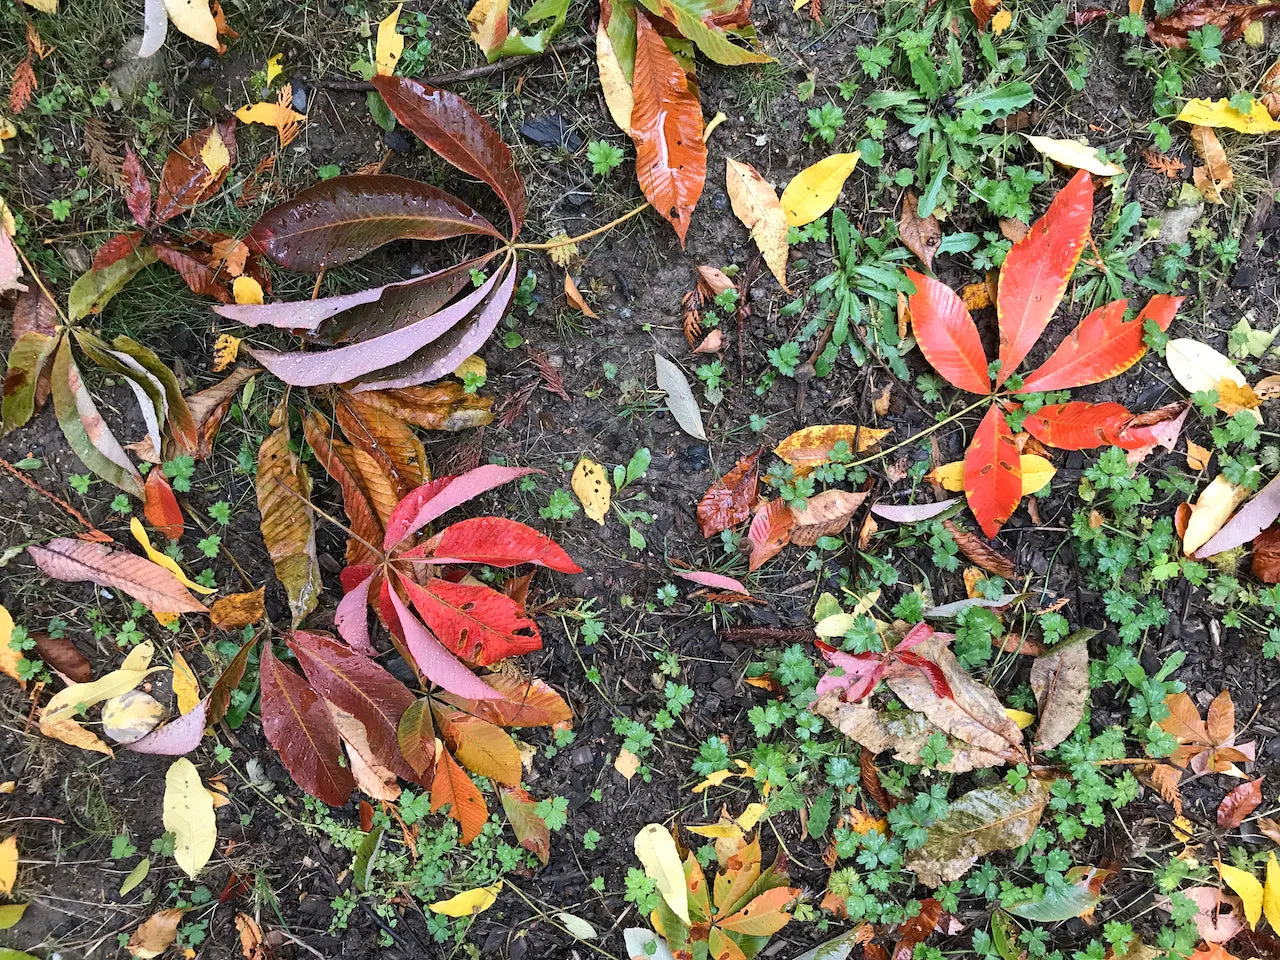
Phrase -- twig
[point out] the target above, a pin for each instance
(454, 76)
(97, 534)
(767, 634)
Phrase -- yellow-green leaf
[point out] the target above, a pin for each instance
(591, 486)
(131, 716)
(188, 815)
(64, 703)
(813, 191)
(1247, 888)
(9, 658)
(136, 876)
(390, 44)
(1220, 113)
(657, 853)
(10, 914)
(469, 902)
(1073, 153)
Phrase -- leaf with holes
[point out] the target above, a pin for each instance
(992, 472)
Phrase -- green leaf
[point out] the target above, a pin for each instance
(136, 876)
(84, 428)
(1000, 101)
(10, 914)
(367, 858)
(687, 17)
(90, 293)
(1059, 903)
(980, 821)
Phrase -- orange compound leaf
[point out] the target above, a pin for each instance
(1102, 346)
(993, 472)
(947, 335)
(666, 125)
(1035, 273)
(1078, 425)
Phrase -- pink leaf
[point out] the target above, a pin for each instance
(75, 561)
(716, 581)
(352, 620)
(436, 663)
(437, 497)
(912, 512)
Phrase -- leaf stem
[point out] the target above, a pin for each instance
(921, 434)
(566, 241)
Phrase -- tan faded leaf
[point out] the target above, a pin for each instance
(757, 206)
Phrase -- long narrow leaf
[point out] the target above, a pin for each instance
(436, 663)
(76, 561)
(992, 472)
(947, 335)
(436, 497)
(84, 428)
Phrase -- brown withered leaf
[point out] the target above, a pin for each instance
(288, 525)
(575, 298)
(921, 235)
(156, 934)
(238, 610)
(1060, 680)
(63, 657)
(1231, 19)
(824, 515)
(729, 500)
(23, 86)
(209, 406)
(1269, 89)
(437, 406)
(384, 437)
(1266, 555)
(1239, 803)
(972, 713)
(1216, 175)
(1205, 744)
(1165, 778)
(980, 552)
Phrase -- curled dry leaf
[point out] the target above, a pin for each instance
(576, 300)
(980, 552)
(920, 234)
(824, 515)
(1216, 176)
(156, 934)
(1060, 680)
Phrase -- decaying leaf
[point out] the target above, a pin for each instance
(680, 399)
(591, 486)
(156, 934)
(729, 500)
(757, 206)
(1060, 680)
(813, 446)
(920, 234)
(1216, 176)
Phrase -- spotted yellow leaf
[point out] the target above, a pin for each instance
(185, 686)
(225, 350)
(390, 44)
(591, 486)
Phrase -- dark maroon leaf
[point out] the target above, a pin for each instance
(1239, 803)
(340, 220)
(357, 685)
(299, 726)
(449, 126)
(61, 655)
(117, 248)
(137, 188)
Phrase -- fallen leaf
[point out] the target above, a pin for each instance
(238, 610)
(186, 689)
(626, 763)
(1250, 521)
(156, 934)
(1247, 888)
(131, 716)
(469, 902)
(814, 190)
(576, 300)
(1239, 803)
(270, 115)
(1197, 456)
(1073, 153)
(195, 19)
(824, 515)
(618, 95)
(680, 399)
(1220, 113)
(1209, 513)
(1271, 893)
(9, 657)
(770, 531)
(729, 500)
(980, 552)
(189, 816)
(8, 864)
(1060, 681)
(757, 206)
(244, 289)
(591, 486)
(390, 44)
(657, 853)
(813, 446)
(1216, 175)
(921, 235)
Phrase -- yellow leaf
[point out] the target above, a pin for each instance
(163, 559)
(715, 780)
(1271, 893)
(811, 447)
(1073, 153)
(1220, 113)
(757, 206)
(1001, 21)
(273, 67)
(591, 486)
(1198, 367)
(131, 716)
(751, 815)
(1036, 472)
(8, 864)
(185, 686)
(618, 95)
(1182, 829)
(7, 132)
(10, 914)
(62, 705)
(9, 658)
(195, 19)
(714, 122)
(269, 114)
(836, 625)
(44, 6)
(489, 22)
(189, 816)
(390, 44)
(225, 350)
(1020, 717)
(474, 365)
(1211, 510)
(1247, 888)
(247, 290)
(214, 154)
(814, 190)
(724, 830)
(661, 861)
(469, 902)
